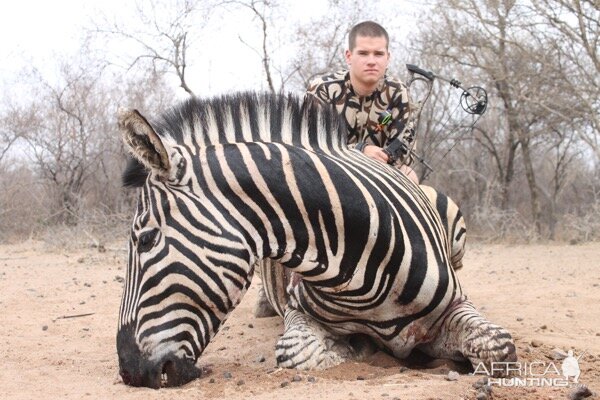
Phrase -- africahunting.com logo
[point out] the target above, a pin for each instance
(535, 373)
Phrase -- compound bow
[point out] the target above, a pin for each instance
(473, 101)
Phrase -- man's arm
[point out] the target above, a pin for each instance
(401, 133)
(319, 89)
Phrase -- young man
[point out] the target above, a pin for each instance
(363, 92)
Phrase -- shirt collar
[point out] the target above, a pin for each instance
(378, 88)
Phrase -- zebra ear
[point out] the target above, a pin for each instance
(143, 142)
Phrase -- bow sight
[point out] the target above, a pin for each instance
(473, 100)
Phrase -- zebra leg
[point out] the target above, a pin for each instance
(453, 221)
(466, 334)
(306, 344)
(262, 308)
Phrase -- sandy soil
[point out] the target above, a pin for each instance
(59, 312)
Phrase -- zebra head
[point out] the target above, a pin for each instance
(187, 268)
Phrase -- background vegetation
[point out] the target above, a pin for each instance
(528, 170)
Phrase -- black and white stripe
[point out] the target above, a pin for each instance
(236, 180)
(453, 222)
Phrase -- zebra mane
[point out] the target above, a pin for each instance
(247, 117)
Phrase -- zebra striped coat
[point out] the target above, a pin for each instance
(273, 297)
(229, 182)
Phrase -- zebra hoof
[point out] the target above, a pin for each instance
(489, 346)
(310, 357)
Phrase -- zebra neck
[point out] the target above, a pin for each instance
(285, 204)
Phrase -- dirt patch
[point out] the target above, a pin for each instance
(59, 313)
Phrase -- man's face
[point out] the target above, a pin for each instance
(368, 60)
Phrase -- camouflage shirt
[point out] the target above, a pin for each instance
(361, 113)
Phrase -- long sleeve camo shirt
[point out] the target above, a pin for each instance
(361, 113)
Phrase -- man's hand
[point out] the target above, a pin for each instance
(376, 153)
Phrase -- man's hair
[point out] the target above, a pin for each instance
(368, 29)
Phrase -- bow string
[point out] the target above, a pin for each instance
(473, 101)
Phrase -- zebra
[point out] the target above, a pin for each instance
(246, 179)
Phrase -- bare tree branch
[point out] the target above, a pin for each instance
(164, 38)
(253, 6)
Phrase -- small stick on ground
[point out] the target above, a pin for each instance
(74, 316)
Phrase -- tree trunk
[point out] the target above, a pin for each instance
(533, 189)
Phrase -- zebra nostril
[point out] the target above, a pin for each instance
(177, 372)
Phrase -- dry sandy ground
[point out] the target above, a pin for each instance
(59, 312)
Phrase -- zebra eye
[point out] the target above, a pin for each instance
(146, 240)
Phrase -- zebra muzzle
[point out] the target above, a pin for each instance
(139, 369)
(178, 372)
(170, 373)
